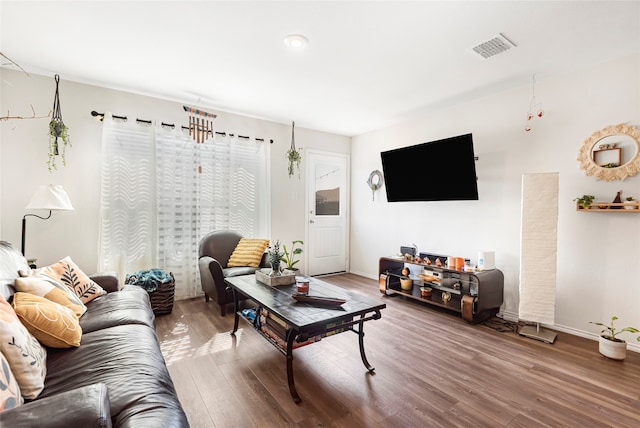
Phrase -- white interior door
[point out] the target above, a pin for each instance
(327, 213)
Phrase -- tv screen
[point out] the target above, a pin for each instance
(442, 170)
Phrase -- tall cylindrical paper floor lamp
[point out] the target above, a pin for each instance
(538, 250)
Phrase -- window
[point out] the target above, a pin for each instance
(161, 192)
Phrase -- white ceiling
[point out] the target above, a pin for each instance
(368, 64)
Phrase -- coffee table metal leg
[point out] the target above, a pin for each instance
(291, 335)
(361, 343)
(236, 310)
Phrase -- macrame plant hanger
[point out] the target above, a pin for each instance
(56, 116)
(293, 155)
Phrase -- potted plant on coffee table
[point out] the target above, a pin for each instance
(289, 256)
(274, 256)
(610, 345)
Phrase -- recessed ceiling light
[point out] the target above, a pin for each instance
(296, 41)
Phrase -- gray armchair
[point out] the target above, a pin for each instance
(215, 249)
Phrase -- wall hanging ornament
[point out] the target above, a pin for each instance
(535, 108)
(375, 182)
(293, 154)
(57, 131)
(200, 124)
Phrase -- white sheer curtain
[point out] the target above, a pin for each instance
(161, 192)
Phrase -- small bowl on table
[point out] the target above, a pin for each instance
(425, 292)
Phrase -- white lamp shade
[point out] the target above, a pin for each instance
(50, 197)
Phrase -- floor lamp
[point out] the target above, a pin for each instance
(538, 251)
(47, 197)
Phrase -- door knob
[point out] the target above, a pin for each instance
(311, 221)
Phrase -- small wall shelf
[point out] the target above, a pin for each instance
(626, 207)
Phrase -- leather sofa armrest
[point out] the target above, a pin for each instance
(211, 277)
(264, 261)
(87, 406)
(108, 281)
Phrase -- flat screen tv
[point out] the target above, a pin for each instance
(442, 170)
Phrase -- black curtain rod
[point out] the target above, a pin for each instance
(171, 125)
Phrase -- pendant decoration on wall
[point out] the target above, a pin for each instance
(374, 182)
(293, 155)
(200, 124)
(535, 108)
(58, 132)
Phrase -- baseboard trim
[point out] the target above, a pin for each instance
(514, 317)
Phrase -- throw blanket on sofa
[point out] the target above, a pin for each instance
(149, 279)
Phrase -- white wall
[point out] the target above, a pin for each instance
(23, 157)
(598, 253)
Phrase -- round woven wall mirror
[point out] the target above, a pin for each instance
(612, 153)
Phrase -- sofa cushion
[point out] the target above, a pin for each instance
(127, 306)
(11, 261)
(68, 273)
(85, 407)
(27, 358)
(238, 271)
(248, 252)
(52, 324)
(128, 360)
(10, 396)
(52, 290)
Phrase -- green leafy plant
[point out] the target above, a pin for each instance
(295, 158)
(293, 154)
(610, 332)
(274, 256)
(57, 130)
(289, 256)
(585, 201)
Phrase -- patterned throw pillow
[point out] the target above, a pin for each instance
(52, 290)
(68, 273)
(52, 324)
(248, 252)
(26, 356)
(10, 396)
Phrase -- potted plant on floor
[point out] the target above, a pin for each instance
(610, 345)
(289, 256)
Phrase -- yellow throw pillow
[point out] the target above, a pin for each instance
(49, 289)
(248, 252)
(26, 356)
(52, 324)
(69, 274)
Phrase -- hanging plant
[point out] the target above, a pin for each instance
(293, 154)
(57, 131)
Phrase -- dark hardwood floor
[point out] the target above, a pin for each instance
(433, 369)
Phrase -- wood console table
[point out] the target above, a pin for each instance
(475, 295)
(303, 321)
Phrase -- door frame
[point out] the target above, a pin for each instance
(309, 187)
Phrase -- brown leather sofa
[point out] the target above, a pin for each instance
(215, 249)
(116, 377)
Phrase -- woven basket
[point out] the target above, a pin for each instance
(162, 298)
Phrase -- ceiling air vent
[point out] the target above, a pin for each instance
(496, 45)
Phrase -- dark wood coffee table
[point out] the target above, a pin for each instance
(304, 320)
